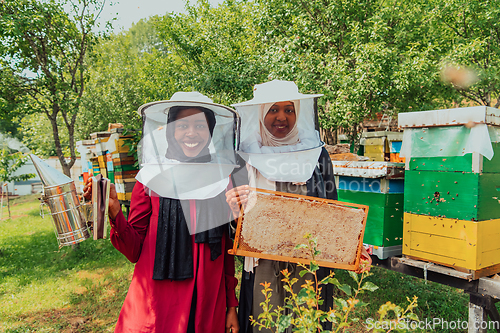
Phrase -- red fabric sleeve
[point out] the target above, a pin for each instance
(231, 280)
(128, 236)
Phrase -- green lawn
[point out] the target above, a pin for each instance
(46, 289)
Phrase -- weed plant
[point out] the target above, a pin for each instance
(302, 313)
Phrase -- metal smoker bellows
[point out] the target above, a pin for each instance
(59, 193)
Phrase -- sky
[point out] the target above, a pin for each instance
(131, 11)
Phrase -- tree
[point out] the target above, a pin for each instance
(468, 32)
(216, 50)
(40, 38)
(9, 164)
(126, 70)
(365, 56)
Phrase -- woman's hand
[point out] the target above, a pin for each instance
(365, 260)
(87, 189)
(237, 198)
(232, 325)
(114, 206)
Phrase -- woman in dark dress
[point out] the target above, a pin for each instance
(278, 129)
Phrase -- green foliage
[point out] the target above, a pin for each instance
(365, 56)
(306, 316)
(216, 50)
(47, 289)
(468, 33)
(120, 79)
(43, 51)
(37, 135)
(9, 164)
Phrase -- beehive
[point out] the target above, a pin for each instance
(276, 222)
(382, 146)
(125, 166)
(453, 242)
(450, 182)
(379, 185)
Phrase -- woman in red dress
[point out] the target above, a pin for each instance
(183, 281)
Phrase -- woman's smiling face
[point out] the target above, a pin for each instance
(280, 119)
(191, 131)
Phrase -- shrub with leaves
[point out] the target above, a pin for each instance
(9, 164)
(302, 310)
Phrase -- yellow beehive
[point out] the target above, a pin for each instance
(457, 243)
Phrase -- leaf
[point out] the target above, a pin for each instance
(361, 304)
(412, 316)
(346, 289)
(284, 322)
(354, 276)
(369, 286)
(303, 295)
(314, 266)
(300, 246)
(334, 281)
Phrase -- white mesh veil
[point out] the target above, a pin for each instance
(187, 151)
(288, 163)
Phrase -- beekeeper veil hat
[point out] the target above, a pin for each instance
(188, 146)
(289, 159)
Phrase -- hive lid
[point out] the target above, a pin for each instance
(391, 136)
(450, 117)
(49, 175)
(368, 169)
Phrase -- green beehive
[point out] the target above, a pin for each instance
(454, 169)
(452, 183)
(380, 186)
(459, 195)
(384, 226)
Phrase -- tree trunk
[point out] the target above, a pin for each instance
(8, 203)
(57, 141)
(1, 202)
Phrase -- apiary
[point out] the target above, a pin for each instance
(275, 222)
(379, 185)
(452, 178)
(382, 146)
(85, 148)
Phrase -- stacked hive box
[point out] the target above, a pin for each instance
(125, 167)
(85, 148)
(103, 147)
(380, 186)
(452, 207)
(382, 145)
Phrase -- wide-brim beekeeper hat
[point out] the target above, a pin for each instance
(276, 91)
(183, 98)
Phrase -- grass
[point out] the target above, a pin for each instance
(434, 300)
(46, 289)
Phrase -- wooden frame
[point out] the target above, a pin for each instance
(353, 267)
